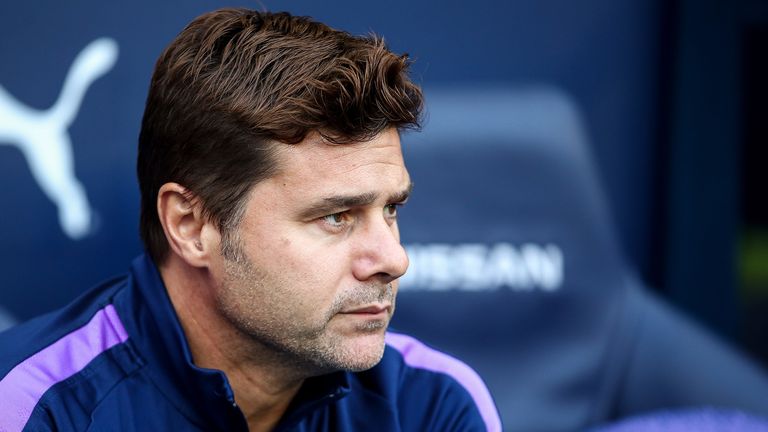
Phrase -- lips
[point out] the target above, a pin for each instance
(369, 310)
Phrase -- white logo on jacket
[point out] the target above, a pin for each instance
(42, 136)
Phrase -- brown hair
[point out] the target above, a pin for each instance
(236, 81)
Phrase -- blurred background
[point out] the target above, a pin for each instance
(671, 97)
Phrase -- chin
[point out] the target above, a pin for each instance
(362, 364)
(363, 352)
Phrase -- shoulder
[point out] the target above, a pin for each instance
(46, 362)
(440, 390)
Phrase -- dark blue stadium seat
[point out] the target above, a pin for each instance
(516, 268)
(699, 420)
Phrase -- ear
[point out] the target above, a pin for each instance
(187, 231)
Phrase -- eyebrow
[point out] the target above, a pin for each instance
(335, 203)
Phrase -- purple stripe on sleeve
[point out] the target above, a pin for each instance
(420, 356)
(26, 383)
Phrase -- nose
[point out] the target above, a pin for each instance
(379, 254)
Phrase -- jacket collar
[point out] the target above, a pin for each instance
(202, 395)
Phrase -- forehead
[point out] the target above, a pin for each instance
(314, 163)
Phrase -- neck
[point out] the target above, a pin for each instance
(263, 384)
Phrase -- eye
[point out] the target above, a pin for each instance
(390, 211)
(336, 220)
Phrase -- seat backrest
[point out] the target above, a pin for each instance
(516, 269)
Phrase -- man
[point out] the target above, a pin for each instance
(270, 172)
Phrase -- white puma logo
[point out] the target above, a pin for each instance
(43, 138)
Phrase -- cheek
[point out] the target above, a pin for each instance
(315, 273)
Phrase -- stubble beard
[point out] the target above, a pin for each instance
(310, 348)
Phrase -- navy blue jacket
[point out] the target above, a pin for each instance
(116, 359)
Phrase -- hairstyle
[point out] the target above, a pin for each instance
(235, 83)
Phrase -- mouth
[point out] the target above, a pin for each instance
(369, 311)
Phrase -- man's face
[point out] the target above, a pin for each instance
(317, 254)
